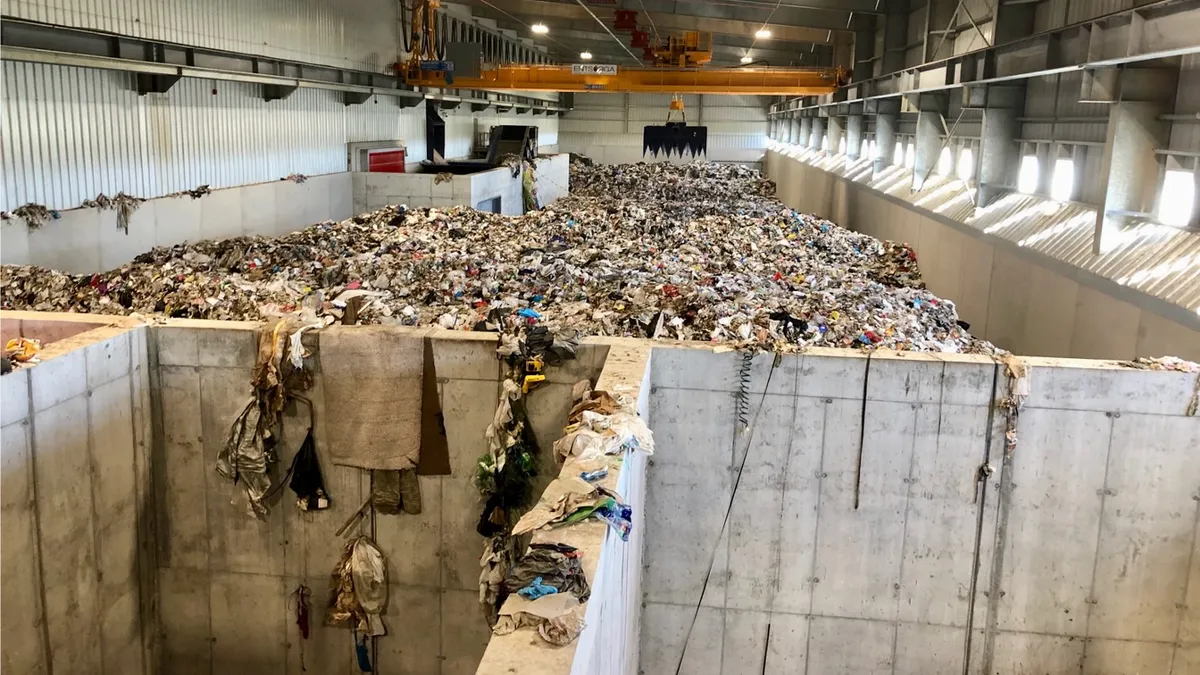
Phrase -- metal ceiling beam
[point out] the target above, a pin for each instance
(755, 11)
(865, 7)
(601, 45)
(1162, 30)
(576, 17)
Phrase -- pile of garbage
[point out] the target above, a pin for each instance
(697, 251)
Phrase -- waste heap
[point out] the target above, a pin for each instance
(697, 251)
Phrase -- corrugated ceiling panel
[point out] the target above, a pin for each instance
(360, 34)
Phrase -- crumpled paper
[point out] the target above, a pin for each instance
(698, 251)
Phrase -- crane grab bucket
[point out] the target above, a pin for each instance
(675, 138)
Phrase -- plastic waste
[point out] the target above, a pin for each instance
(536, 589)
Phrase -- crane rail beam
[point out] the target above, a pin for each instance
(744, 81)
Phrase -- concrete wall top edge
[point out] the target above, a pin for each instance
(82, 340)
(127, 322)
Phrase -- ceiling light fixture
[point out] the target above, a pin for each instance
(539, 28)
(586, 56)
(747, 59)
(763, 34)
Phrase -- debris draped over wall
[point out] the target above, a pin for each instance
(694, 252)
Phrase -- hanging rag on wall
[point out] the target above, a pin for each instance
(373, 380)
(396, 491)
(303, 612)
(435, 449)
(249, 449)
(307, 481)
(360, 590)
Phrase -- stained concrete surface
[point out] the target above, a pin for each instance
(1089, 551)
(76, 437)
(1085, 536)
(225, 576)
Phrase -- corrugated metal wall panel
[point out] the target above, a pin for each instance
(1090, 9)
(736, 125)
(1049, 14)
(971, 40)
(361, 34)
(70, 133)
(1040, 94)
(1187, 97)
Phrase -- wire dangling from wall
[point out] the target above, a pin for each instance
(743, 395)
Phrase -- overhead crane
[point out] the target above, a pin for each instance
(675, 66)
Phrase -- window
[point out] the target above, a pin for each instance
(1178, 198)
(825, 143)
(966, 163)
(945, 165)
(842, 146)
(910, 155)
(871, 150)
(1062, 183)
(1027, 177)
(898, 155)
(864, 149)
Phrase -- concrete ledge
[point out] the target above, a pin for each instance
(608, 644)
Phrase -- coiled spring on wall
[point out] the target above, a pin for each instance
(743, 395)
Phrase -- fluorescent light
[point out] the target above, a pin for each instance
(539, 28)
(762, 34)
(747, 59)
(586, 56)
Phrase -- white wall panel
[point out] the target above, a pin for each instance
(362, 34)
(70, 133)
(604, 128)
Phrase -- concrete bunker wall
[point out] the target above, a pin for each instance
(224, 576)
(1086, 536)
(75, 513)
(87, 240)
(122, 547)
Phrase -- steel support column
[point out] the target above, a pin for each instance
(998, 153)
(854, 132)
(931, 124)
(864, 53)
(818, 133)
(885, 139)
(1129, 167)
(895, 35)
(837, 133)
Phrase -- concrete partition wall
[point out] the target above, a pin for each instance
(998, 274)
(376, 190)
(76, 557)
(84, 240)
(226, 579)
(1086, 535)
(609, 642)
